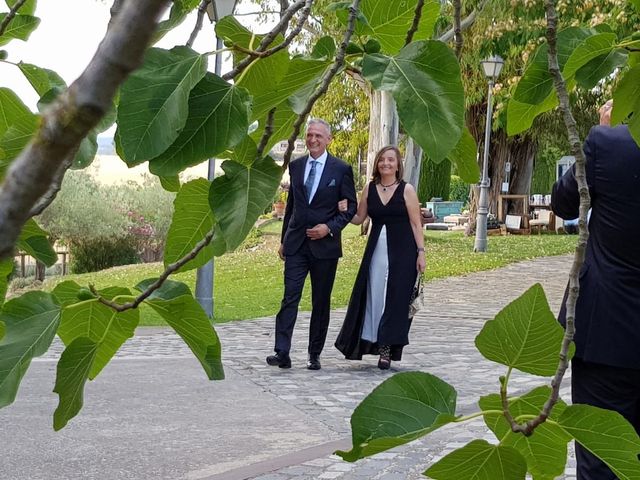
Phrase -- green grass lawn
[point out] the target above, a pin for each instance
(248, 283)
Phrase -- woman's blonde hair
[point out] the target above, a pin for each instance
(375, 178)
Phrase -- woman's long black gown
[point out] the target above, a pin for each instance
(393, 328)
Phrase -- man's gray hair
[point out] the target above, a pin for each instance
(319, 121)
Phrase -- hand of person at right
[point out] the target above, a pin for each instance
(343, 205)
(281, 252)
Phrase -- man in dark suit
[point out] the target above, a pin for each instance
(606, 365)
(311, 240)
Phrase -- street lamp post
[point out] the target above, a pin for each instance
(492, 67)
(216, 9)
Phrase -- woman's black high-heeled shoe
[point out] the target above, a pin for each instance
(384, 363)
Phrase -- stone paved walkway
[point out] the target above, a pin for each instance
(442, 343)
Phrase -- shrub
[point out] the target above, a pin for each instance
(459, 190)
(86, 211)
(96, 254)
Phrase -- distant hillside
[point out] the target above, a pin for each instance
(106, 146)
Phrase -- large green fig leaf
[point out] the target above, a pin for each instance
(401, 409)
(626, 101)
(480, 460)
(301, 72)
(607, 435)
(35, 242)
(176, 305)
(593, 59)
(263, 73)
(20, 27)
(11, 108)
(298, 101)
(386, 19)
(218, 119)
(520, 116)
(6, 267)
(30, 323)
(107, 328)
(534, 93)
(15, 138)
(537, 83)
(71, 374)
(545, 451)
(192, 219)
(524, 335)
(425, 81)
(464, 155)
(246, 152)
(238, 197)
(27, 8)
(154, 100)
(41, 79)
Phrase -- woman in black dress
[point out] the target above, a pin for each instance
(377, 320)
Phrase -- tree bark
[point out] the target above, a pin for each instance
(41, 268)
(383, 126)
(412, 163)
(519, 150)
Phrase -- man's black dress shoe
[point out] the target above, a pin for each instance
(314, 362)
(281, 360)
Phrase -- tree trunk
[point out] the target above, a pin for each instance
(519, 150)
(413, 160)
(383, 125)
(40, 271)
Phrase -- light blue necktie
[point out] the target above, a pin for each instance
(308, 185)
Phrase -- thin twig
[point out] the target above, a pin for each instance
(468, 21)
(268, 38)
(416, 22)
(457, 14)
(304, 15)
(324, 85)
(202, 9)
(10, 16)
(287, 41)
(174, 267)
(266, 135)
(585, 201)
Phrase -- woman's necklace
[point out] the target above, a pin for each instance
(384, 187)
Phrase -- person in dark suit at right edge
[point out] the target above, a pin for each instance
(606, 366)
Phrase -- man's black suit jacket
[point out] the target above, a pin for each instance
(608, 308)
(336, 183)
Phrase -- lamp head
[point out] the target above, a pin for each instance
(492, 67)
(217, 9)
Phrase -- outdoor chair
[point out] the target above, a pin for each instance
(543, 220)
